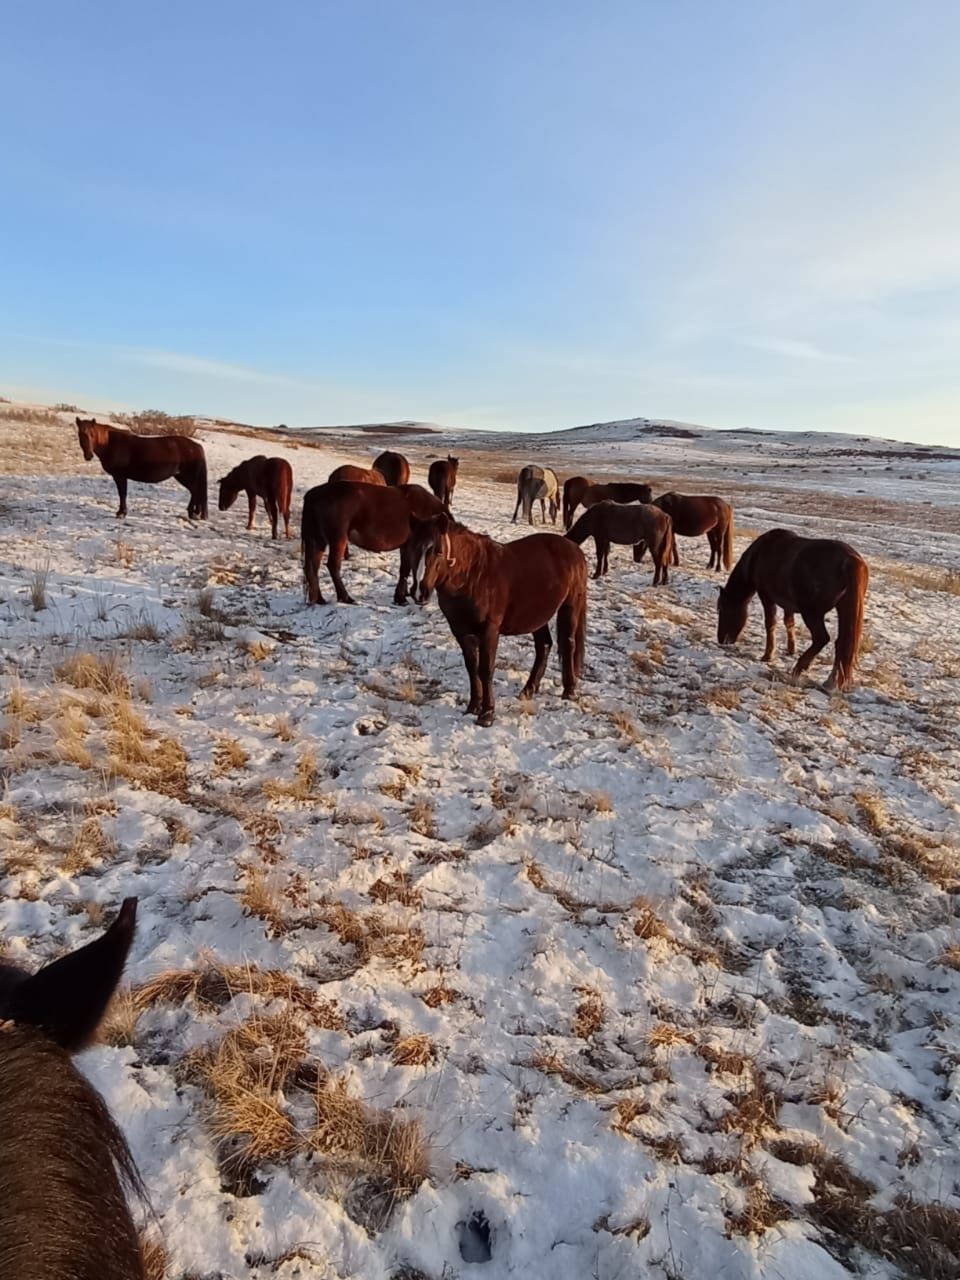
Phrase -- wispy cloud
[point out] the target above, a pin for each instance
(794, 349)
(201, 366)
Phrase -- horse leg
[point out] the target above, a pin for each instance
(790, 622)
(639, 551)
(121, 483)
(400, 591)
(334, 560)
(312, 560)
(714, 561)
(251, 508)
(543, 643)
(676, 553)
(819, 639)
(489, 639)
(568, 623)
(659, 564)
(516, 509)
(470, 648)
(770, 622)
(273, 511)
(605, 553)
(543, 512)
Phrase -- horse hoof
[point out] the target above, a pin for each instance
(485, 719)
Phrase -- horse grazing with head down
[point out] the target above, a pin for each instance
(537, 484)
(268, 478)
(359, 475)
(64, 1164)
(377, 519)
(694, 516)
(809, 576)
(394, 467)
(148, 460)
(573, 491)
(487, 589)
(639, 526)
(442, 478)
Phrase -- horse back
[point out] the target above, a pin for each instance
(538, 574)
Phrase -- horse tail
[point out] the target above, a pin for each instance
(285, 495)
(580, 625)
(728, 540)
(312, 548)
(850, 618)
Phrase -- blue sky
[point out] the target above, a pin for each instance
(512, 213)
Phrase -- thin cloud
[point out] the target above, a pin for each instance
(795, 349)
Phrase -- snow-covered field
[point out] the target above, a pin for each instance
(665, 982)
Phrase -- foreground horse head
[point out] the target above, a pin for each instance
(64, 1163)
(93, 435)
(430, 552)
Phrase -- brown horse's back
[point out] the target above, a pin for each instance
(538, 574)
(442, 478)
(394, 467)
(358, 475)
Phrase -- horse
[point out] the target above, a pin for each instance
(487, 589)
(693, 516)
(537, 484)
(394, 467)
(359, 475)
(148, 460)
(442, 478)
(573, 490)
(345, 511)
(268, 478)
(809, 576)
(639, 525)
(65, 1166)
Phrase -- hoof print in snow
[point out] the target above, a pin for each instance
(475, 1238)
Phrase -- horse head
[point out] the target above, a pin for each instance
(430, 552)
(731, 616)
(91, 434)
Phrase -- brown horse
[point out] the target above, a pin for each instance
(620, 491)
(809, 576)
(148, 460)
(442, 478)
(64, 1164)
(359, 475)
(573, 491)
(639, 526)
(344, 511)
(694, 516)
(268, 478)
(394, 467)
(487, 589)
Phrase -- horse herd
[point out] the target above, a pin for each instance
(66, 1169)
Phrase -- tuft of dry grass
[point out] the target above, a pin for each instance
(761, 1211)
(303, 787)
(213, 984)
(413, 1051)
(872, 811)
(229, 754)
(754, 1111)
(102, 673)
(648, 923)
(923, 577)
(90, 845)
(372, 936)
(666, 1034)
(38, 586)
(423, 819)
(263, 898)
(590, 1014)
(283, 728)
(725, 697)
(396, 888)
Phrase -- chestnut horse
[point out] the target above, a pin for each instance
(693, 516)
(268, 478)
(64, 1164)
(573, 490)
(394, 467)
(344, 511)
(637, 525)
(809, 576)
(442, 478)
(148, 460)
(359, 475)
(487, 589)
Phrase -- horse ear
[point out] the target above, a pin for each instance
(79, 421)
(68, 998)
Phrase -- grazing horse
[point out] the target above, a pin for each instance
(537, 484)
(442, 478)
(268, 478)
(693, 516)
(359, 475)
(809, 576)
(148, 460)
(64, 1164)
(487, 589)
(573, 491)
(621, 491)
(394, 467)
(639, 526)
(344, 511)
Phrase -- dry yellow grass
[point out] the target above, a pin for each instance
(590, 1014)
(422, 818)
(89, 846)
(103, 673)
(666, 1034)
(396, 888)
(303, 788)
(262, 898)
(372, 936)
(413, 1051)
(229, 754)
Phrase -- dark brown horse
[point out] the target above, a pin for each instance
(573, 491)
(64, 1164)
(344, 511)
(359, 475)
(694, 516)
(487, 589)
(148, 460)
(638, 525)
(268, 478)
(394, 467)
(809, 576)
(442, 478)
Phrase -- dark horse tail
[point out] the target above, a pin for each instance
(728, 542)
(312, 547)
(856, 576)
(200, 496)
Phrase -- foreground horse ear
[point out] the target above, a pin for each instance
(68, 998)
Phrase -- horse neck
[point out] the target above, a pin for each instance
(474, 555)
(740, 584)
(582, 528)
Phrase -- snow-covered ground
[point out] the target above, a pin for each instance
(668, 976)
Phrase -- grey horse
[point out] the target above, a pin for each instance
(537, 484)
